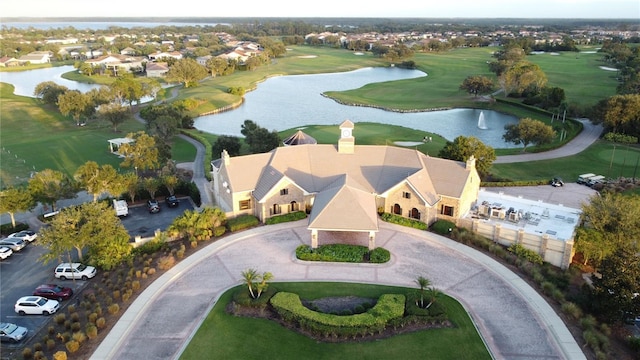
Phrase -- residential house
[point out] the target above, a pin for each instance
(202, 60)
(161, 55)
(344, 187)
(36, 57)
(157, 69)
(7, 61)
(128, 51)
(118, 62)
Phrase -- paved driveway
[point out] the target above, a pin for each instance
(513, 319)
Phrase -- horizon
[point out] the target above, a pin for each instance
(410, 9)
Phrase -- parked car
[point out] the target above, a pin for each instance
(36, 305)
(15, 244)
(12, 333)
(53, 291)
(5, 252)
(556, 182)
(27, 235)
(172, 201)
(66, 271)
(153, 206)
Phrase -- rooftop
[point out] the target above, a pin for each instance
(534, 216)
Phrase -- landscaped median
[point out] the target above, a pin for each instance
(343, 253)
(291, 309)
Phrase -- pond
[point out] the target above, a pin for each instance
(25, 81)
(286, 102)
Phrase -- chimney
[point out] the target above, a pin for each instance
(225, 157)
(471, 162)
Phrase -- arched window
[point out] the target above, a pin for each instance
(276, 209)
(294, 206)
(397, 209)
(415, 214)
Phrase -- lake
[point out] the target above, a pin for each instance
(286, 102)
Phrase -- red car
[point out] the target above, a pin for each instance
(54, 292)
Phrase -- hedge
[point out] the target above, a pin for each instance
(400, 220)
(292, 216)
(242, 222)
(388, 308)
(342, 253)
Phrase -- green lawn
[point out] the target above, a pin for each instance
(600, 158)
(224, 336)
(35, 137)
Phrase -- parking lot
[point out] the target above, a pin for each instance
(22, 272)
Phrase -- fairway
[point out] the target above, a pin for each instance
(224, 336)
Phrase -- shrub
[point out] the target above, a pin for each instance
(71, 309)
(150, 247)
(341, 253)
(60, 355)
(292, 216)
(79, 336)
(526, 254)
(572, 310)
(443, 227)
(113, 308)
(39, 355)
(151, 271)
(37, 347)
(166, 262)
(75, 317)
(138, 274)
(101, 323)
(51, 344)
(401, 220)
(116, 294)
(72, 346)
(75, 326)
(219, 231)
(242, 222)
(27, 353)
(51, 330)
(92, 331)
(135, 285)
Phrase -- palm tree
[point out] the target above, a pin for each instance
(249, 276)
(423, 283)
(263, 285)
(433, 294)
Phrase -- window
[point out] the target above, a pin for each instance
(244, 204)
(276, 209)
(293, 206)
(396, 209)
(284, 191)
(406, 195)
(447, 210)
(414, 214)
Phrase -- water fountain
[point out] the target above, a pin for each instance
(482, 124)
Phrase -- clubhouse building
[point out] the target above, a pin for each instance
(344, 187)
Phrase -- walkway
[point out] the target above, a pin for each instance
(513, 319)
(588, 136)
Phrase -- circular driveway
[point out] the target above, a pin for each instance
(514, 321)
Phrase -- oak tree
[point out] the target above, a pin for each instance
(529, 131)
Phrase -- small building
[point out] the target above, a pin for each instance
(299, 138)
(36, 57)
(343, 187)
(7, 61)
(157, 69)
(114, 144)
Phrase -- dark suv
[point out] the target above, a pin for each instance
(172, 201)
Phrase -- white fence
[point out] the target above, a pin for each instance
(556, 252)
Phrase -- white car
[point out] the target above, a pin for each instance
(27, 235)
(5, 252)
(36, 305)
(66, 271)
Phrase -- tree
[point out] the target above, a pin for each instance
(217, 65)
(523, 76)
(48, 186)
(615, 292)
(462, 148)
(75, 103)
(477, 85)
(114, 113)
(620, 114)
(131, 184)
(14, 200)
(90, 226)
(225, 142)
(249, 276)
(163, 129)
(49, 91)
(186, 71)
(170, 181)
(97, 179)
(423, 283)
(127, 89)
(141, 153)
(610, 221)
(260, 140)
(151, 185)
(528, 131)
(264, 283)
(433, 294)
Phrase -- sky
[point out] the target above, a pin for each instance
(588, 9)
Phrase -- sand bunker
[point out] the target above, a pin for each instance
(358, 53)
(407, 143)
(307, 56)
(608, 68)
